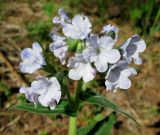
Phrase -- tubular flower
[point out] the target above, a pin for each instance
(59, 48)
(79, 28)
(100, 51)
(32, 59)
(30, 94)
(44, 91)
(131, 49)
(110, 28)
(62, 19)
(118, 76)
(80, 68)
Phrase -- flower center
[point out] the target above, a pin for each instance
(98, 50)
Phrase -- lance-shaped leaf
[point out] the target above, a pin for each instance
(102, 127)
(61, 76)
(50, 63)
(72, 43)
(62, 108)
(95, 98)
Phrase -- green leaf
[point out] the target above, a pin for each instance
(136, 14)
(94, 98)
(62, 108)
(85, 130)
(50, 63)
(48, 8)
(106, 127)
(64, 85)
(102, 127)
(4, 88)
(39, 30)
(72, 44)
(60, 76)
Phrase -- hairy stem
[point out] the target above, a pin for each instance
(73, 120)
(77, 100)
(73, 126)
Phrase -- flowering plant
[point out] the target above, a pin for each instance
(82, 61)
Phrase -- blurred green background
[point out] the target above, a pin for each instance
(25, 21)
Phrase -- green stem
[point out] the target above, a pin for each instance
(67, 91)
(77, 100)
(73, 120)
(73, 126)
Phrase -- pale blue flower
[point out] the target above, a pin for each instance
(59, 47)
(32, 59)
(131, 49)
(118, 76)
(80, 68)
(79, 28)
(45, 91)
(100, 51)
(30, 94)
(62, 19)
(111, 28)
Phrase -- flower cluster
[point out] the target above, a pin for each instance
(96, 54)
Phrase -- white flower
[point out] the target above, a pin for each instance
(99, 50)
(79, 28)
(44, 91)
(59, 48)
(110, 28)
(62, 19)
(80, 68)
(32, 59)
(118, 76)
(131, 49)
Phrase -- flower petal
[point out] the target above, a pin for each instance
(44, 91)
(128, 72)
(101, 63)
(141, 46)
(88, 73)
(63, 14)
(27, 54)
(105, 42)
(55, 82)
(32, 59)
(91, 42)
(111, 28)
(131, 49)
(49, 91)
(110, 85)
(73, 61)
(30, 95)
(112, 56)
(39, 86)
(137, 59)
(56, 20)
(63, 19)
(23, 90)
(36, 47)
(90, 54)
(26, 67)
(79, 29)
(124, 83)
(48, 96)
(60, 51)
(113, 75)
(75, 74)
